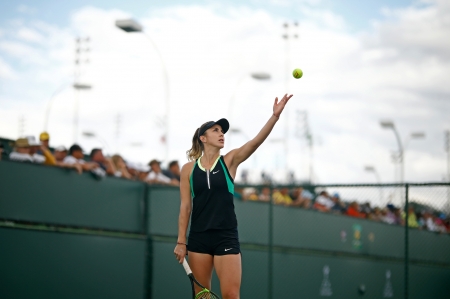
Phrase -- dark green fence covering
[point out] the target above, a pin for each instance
(42, 264)
(37, 193)
(65, 235)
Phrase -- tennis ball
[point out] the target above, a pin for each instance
(297, 73)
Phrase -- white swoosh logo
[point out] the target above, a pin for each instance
(214, 172)
(228, 249)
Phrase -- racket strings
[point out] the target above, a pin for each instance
(206, 295)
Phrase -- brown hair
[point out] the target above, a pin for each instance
(196, 150)
(116, 159)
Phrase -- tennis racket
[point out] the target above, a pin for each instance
(204, 293)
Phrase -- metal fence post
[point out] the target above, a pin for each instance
(406, 241)
(270, 262)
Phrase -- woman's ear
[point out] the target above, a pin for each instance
(203, 138)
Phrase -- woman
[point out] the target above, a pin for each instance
(207, 180)
(121, 167)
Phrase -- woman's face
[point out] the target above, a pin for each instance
(214, 136)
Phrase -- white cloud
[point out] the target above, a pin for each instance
(6, 71)
(350, 82)
(21, 51)
(30, 35)
(25, 9)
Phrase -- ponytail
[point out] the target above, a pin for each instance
(197, 148)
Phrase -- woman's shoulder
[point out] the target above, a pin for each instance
(187, 168)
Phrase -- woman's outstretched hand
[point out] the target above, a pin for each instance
(278, 106)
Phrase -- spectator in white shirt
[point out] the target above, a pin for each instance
(22, 151)
(76, 157)
(105, 163)
(323, 202)
(157, 177)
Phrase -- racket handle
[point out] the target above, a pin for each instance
(186, 267)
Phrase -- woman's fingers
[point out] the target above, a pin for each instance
(179, 254)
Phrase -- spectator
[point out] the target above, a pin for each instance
(365, 208)
(429, 222)
(44, 137)
(34, 149)
(301, 198)
(412, 219)
(121, 167)
(44, 150)
(249, 193)
(282, 197)
(353, 211)
(143, 172)
(21, 152)
(389, 215)
(157, 177)
(338, 205)
(105, 163)
(60, 154)
(323, 202)
(399, 216)
(76, 156)
(265, 194)
(2, 148)
(174, 170)
(375, 215)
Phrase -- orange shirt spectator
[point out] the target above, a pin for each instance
(353, 211)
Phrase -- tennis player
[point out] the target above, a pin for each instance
(208, 180)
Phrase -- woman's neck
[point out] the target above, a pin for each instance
(210, 156)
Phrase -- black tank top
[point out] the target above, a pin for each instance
(212, 194)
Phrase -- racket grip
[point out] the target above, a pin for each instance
(186, 267)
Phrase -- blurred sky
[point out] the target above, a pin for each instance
(363, 61)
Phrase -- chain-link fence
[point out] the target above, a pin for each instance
(383, 238)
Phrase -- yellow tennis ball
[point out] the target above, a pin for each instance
(297, 73)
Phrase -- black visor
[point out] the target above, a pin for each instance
(221, 122)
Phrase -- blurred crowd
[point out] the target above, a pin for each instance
(29, 149)
(418, 217)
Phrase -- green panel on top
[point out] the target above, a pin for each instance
(54, 195)
(47, 265)
(322, 231)
(315, 230)
(429, 246)
(253, 221)
(163, 210)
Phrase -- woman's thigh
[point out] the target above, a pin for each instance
(229, 271)
(201, 265)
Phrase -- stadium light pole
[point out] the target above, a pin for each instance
(386, 124)
(77, 87)
(257, 76)
(131, 26)
(372, 169)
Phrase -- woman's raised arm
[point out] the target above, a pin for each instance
(239, 155)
